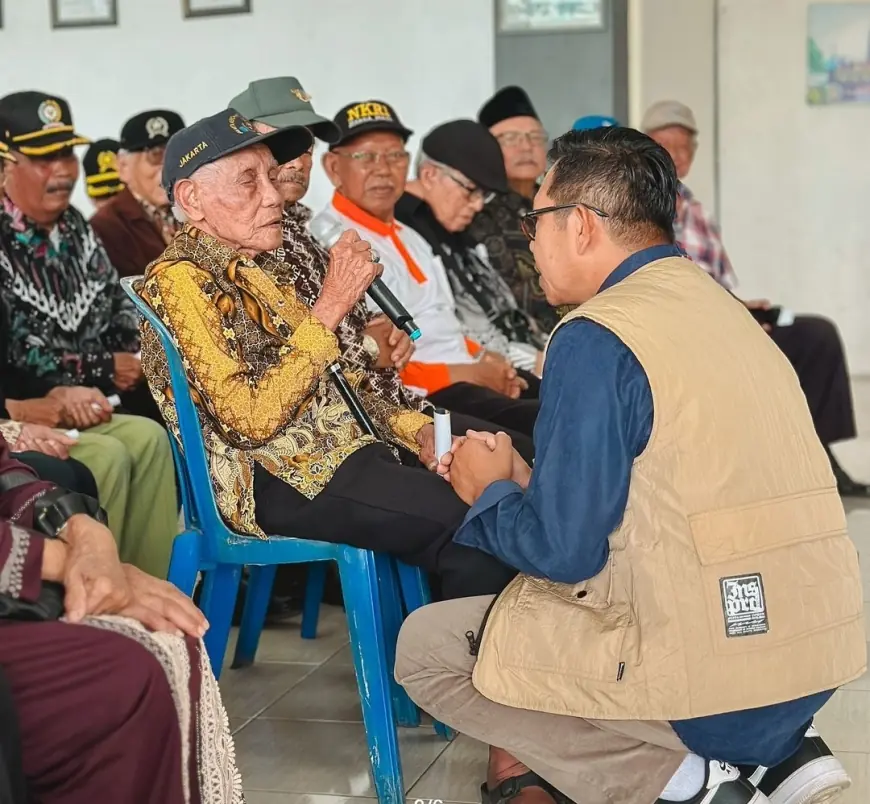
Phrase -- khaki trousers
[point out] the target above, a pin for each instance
(131, 459)
(590, 761)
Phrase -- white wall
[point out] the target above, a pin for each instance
(795, 179)
(671, 57)
(431, 60)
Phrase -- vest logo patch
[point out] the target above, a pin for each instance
(743, 605)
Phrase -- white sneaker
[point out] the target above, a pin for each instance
(725, 785)
(811, 776)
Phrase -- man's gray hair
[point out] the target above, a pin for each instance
(421, 160)
(205, 172)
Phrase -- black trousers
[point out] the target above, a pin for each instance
(482, 403)
(376, 503)
(68, 474)
(813, 346)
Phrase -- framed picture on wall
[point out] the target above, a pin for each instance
(550, 16)
(83, 13)
(838, 53)
(211, 8)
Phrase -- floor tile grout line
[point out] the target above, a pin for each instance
(410, 787)
(313, 670)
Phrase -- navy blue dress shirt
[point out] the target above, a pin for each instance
(595, 418)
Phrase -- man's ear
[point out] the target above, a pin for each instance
(583, 222)
(330, 165)
(427, 174)
(187, 197)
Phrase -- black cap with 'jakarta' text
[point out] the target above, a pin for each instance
(220, 135)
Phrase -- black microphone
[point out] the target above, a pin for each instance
(326, 230)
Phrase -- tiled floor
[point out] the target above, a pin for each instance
(298, 726)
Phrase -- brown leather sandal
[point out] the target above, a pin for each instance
(510, 788)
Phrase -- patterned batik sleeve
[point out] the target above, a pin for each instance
(250, 405)
(397, 424)
(351, 332)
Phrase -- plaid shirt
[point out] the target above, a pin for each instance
(700, 237)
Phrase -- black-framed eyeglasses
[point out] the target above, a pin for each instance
(473, 192)
(529, 221)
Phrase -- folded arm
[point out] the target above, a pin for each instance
(253, 405)
(595, 419)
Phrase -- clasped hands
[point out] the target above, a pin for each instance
(475, 461)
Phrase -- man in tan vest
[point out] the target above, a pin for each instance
(688, 597)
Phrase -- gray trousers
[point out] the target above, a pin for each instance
(590, 761)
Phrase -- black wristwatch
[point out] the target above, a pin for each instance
(55, 507)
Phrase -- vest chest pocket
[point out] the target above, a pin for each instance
(571, 630)
(775, 572)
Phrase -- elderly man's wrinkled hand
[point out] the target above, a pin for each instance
(350, 272)
(426, 439)
(159, 605)
(474, 466)
(402, 348)
(93, 579)
(86, 407)
(128, 371)
(48, 441)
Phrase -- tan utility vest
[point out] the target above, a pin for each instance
(731, 582)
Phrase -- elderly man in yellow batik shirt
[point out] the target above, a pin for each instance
(287, 454)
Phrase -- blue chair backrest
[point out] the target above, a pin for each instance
(195, 463)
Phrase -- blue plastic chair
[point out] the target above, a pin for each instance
(372, 595)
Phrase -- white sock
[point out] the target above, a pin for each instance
(687, 781)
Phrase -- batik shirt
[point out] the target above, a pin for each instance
(497, 226)
(303, 263)
(64, 310)
(162, 218)
(256, 362)
(699, 236)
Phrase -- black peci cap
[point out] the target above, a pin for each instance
(220, 135)
(364, 116)
(38, 124)
(468, 147)
(101, 169)
(506, 103)
(150, 129)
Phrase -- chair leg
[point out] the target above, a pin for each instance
(219, 593)
(184, 564)
(392, 614)
(260, 582)
(416, 594)
(314, 588)
(359, 584)
(415, 587)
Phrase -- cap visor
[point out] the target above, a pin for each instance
(321, 127)
(365, 128)
(286, 144)
(45, 149)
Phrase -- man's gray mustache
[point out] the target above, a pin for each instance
(60, 187)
